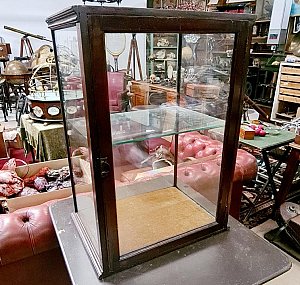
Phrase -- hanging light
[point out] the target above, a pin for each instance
(103, 1)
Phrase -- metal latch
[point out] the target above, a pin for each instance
(104, 166)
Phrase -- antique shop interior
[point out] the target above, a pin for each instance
(150, 142)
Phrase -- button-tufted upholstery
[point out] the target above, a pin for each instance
(29, 252)
(28, 227)
(200, 166)
(195, 145)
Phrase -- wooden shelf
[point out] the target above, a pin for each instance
(290, 99)
(291, 92)
(260, 38)
(290, 70)
(292, 78)
(156, 47)
(287, 116)
(263, 21)
(264, 54)
(165, 59)
(291, 85)
(287, 95)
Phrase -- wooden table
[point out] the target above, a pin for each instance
(48, 140)
(143, 89)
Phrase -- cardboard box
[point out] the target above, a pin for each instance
(33, 200)
(247, 133)
(16, 143)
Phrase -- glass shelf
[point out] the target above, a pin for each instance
(128, 127)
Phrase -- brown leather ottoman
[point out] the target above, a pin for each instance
(29, 251)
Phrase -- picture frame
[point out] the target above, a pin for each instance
(296, 25)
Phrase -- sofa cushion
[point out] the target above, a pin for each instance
(26, 232)
(195, 145)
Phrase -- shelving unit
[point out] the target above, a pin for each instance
(239, 6)
(163, 51)
(287, 95)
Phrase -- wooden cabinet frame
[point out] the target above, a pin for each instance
(92, 23)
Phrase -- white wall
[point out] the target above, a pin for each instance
(30, 16)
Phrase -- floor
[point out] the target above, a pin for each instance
(291, 277)
(11, 124)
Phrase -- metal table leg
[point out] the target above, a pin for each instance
(270, 180)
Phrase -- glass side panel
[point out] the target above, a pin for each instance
(158, 131)
(73, 101)
(205, 85)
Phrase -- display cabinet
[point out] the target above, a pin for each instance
(121, 221)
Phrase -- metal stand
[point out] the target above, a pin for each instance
(134, 52)
(27, 47)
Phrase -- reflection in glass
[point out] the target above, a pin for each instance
(206, 74)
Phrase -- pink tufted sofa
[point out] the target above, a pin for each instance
(29, 251)
(199, 166)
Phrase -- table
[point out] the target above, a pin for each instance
(47, 140)
(264, 145)
(236, 256)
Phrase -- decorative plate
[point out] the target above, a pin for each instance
(53, 111)
(71, 110)
(37, 111)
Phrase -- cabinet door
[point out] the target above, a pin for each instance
(166, 167)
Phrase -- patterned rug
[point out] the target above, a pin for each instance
(258, 199)
(254, 215)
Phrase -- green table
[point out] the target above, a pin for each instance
(270, 141)
(264, 145)
(47, 140)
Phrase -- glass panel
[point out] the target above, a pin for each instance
(153, 205)
(70, 75)
(205, 84)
